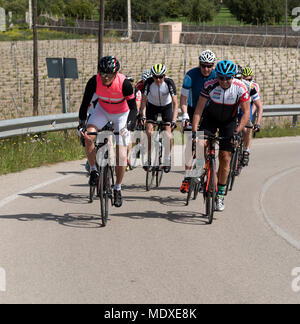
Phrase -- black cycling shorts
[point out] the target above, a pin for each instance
(225, 130)
(165, 111)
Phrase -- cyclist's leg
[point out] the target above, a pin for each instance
(247, 138)
(96, 122)
(122, 142)
(188, 142)
(151, 115)
(226, 148)
(167, 116)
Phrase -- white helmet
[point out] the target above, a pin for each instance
(207, 57)
(146, 75)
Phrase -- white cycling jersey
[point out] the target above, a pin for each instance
(160, 95)
(252, 90)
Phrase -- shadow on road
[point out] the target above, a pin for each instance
(188, 218)
(68, 219)
(72, 198)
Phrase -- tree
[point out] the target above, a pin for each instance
(200, 10)
(257, 11)
(174, 9)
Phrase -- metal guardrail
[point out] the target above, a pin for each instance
(32, 125)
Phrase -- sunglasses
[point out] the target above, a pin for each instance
(207, 66)
(158, 77)
(107, 75)
(248, 79)
(225, 78)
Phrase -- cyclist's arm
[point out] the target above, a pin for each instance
(143, 105)
(198, 112)
(187, 84)
(259, 106)
(245, 106)
(183, 104)
(90, 89)
(144, 99)
(175, 108)
(130, 97)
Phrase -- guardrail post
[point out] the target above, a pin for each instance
(295, 121)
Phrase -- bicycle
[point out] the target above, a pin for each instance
(156, 171)
(106, 182)
(195, 182)
(208, 180)
(132, 163)
(236, 164)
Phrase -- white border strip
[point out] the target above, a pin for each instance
(9, 199)
(278, 230)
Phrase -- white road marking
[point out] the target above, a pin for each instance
(277, 229)
(9, 199)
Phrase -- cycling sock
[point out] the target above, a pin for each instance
(93, 168)
(221, 190)
(118, 187)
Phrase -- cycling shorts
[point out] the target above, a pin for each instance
(100, 118)
(225, 130)
(166, 112)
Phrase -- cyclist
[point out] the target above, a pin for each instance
(192, 85)
(138, 99)
(141, 84)
(223, 95)
(257, 106)
(159, 97)
(116, 103)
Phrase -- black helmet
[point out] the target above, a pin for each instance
(239, 72)
(108, 64)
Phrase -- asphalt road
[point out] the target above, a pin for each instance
(154, 249)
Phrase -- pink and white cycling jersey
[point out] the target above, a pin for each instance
(111, 98)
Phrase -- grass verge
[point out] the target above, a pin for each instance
(24, 152)
(276, 131)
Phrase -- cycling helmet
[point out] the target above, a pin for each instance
(130, 78)
(226, 68)
(146, 75)
(108, 64)
(158, 69)
(207, 57)
(248, 72)
(239, 72)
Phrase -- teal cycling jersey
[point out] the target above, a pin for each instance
(193, 84)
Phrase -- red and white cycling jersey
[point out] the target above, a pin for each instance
(223, 103)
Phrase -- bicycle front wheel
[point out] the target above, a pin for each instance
(159, 176)
(150, 178)
(210, 197)
(104, 192)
